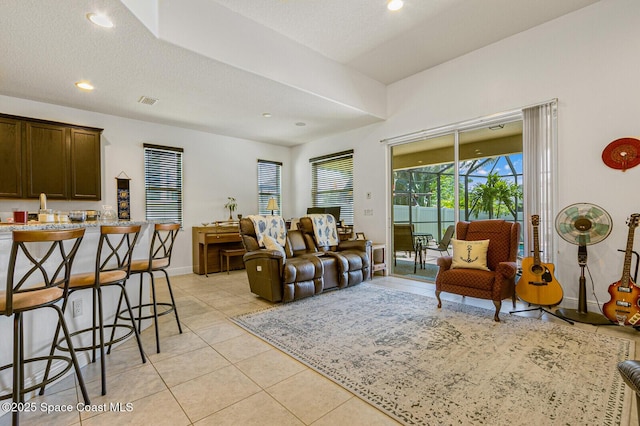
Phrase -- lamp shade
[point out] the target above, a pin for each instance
(272, 205)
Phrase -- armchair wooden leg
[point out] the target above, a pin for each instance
(438, 297)
(498, 305)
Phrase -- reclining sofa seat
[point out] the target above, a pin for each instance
(302, 272)
(354, 263)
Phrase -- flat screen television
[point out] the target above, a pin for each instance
(335, 211)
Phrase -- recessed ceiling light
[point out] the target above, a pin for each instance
(100, 20)
(266, 114)
(395, 4)
(300, 123)
(84, 85)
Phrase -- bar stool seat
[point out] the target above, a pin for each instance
(46, 257)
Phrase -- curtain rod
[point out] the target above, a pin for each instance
(463, 125)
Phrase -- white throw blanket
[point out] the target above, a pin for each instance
(324, 229)
(273, 226)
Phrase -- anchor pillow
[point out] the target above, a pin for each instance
(470, 254)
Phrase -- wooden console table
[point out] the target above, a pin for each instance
(207, 241)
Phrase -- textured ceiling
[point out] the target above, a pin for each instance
(217, 65)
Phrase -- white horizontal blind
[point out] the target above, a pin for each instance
(269, 185)
(332, 183)
(163, 182)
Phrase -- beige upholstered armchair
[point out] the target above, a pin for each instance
(496, 283)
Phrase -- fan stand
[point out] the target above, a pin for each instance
(581, 314)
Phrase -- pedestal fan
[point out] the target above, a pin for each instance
(583, 224)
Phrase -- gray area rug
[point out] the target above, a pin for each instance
(451, 366)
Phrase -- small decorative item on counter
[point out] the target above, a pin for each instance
(61, 217)
(108, 214)
(231, 205)
(46, 216)
(77, 215)
(20, 216)
(93, 215)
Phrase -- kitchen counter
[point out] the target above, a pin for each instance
(7, 228)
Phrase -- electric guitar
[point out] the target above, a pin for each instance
(623, 307)
(537, 285)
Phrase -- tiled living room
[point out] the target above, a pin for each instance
(216, 373)
(233, 83)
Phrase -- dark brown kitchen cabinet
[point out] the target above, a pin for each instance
(10, 158)
(46, 157)
(85, 165)
(58, 159)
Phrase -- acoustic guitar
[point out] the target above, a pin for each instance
(623, 307)
(537, 285)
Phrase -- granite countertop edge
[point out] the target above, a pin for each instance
(8, 228)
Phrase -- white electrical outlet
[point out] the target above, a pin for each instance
(259, 268)
(77, 308)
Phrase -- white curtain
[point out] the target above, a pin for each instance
(539, 140)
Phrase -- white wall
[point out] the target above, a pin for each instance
(215, 167)
(588, 60)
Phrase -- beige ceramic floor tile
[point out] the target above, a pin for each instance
(126, 387)
(205, 320)
(214, 391)
(270, 367)
(309, 396)
(257, 410)
(220, 332)
(241, 347)
(159, 409)
(356, 412)
(43, 415)
(173, 345)
(189, 365)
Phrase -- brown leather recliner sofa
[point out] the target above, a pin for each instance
(305, 270)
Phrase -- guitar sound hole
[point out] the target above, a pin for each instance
(537, 269)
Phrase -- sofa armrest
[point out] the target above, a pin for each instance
(264, 271)
(361, 245)
(262, 254)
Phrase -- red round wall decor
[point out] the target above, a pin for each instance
(622, 154)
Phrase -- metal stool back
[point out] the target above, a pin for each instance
(46, 257)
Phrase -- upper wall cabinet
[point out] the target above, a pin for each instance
(58, 159)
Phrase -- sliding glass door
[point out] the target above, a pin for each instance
(465, 174)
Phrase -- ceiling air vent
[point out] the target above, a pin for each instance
(147, 100)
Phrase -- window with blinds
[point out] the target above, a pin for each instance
(269, 185)
(163, 182)
(332, 183)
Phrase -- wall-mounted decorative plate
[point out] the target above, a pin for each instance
(622, 154)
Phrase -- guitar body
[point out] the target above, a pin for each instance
(623, 304)
(623, 307)
(538, 285)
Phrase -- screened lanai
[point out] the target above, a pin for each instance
(489, 178)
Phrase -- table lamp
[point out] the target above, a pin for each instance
(273, 205)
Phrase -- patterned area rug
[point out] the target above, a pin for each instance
(426, 366)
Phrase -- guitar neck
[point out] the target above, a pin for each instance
(626, 270)
(536, 246)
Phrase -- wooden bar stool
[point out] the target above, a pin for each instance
(112, 268)
(46, 257)
(159, 259)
